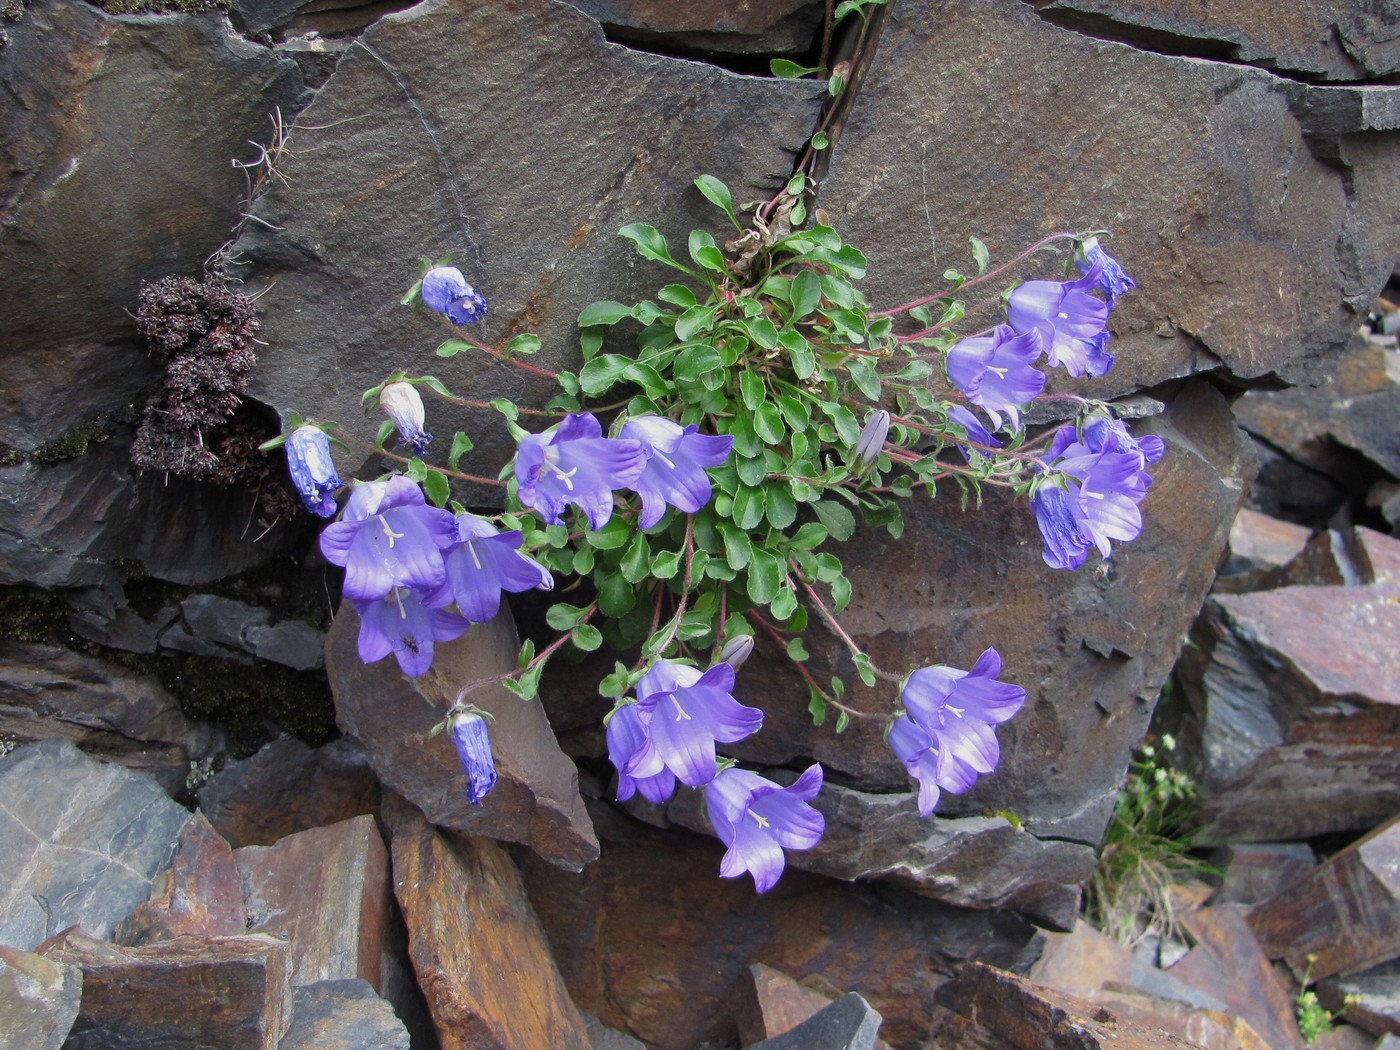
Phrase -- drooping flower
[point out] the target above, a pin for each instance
(758, 819)
(1113, 282)
(685, 713)
(572, 462)
(403, 404)
(946, 738)
(1070, 322)
(737, 650)
(467, 730)
(976, 432)
(407, 625)
(312, 469)
(447, 292)
(1105, 434)
(674, 473)
(871, 441)
(389, 537)
(486, 562)
(1059, 518)
(627, 735)
(996, 371)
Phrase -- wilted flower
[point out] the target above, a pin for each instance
(467, 730)
(685, 713)
(388, 537)
(674, 472)
(1070, 321)
(946, 738)
(487, 562)
(871, 441)
(312, 469)
(737, 650)
(447, 292)
(572, 462)
(976, 432)
(627, 735)
(407, 625)
(995, 371)
(1059, 517)
(758, 819)
(1113, 282)
(403, 404)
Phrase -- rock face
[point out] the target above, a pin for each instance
(1200, 169)
(38, 999)
(199, 896)
(533, 225)
(711, 25)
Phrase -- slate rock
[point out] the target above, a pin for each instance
(1174, 155)
(850, 1023)
(535, 800)
(288, 787)
(772, 1003)
(118, 715)
(710, 25)
(80, 842)
(524, 163)
(1092, 648)
(479, 951)
(1251, 873)
(1317, 39)
(1293, 697)
(343, 1015)
(1258, 543)
(38, 999)
(234, 630)
(1369, 1000)
(209, 992)
(199, 896)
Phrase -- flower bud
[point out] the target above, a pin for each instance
(468, 732)
(402, 403)
(312, 469)
(447, 292)
(871, 441)
(736, 650)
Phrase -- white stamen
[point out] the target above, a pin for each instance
(662, 456)
(1062, 316)
(760, 820)
(398, 597)
(681, 714)
(999, 371)
(471, 546)
(384, 523)
(564, 476)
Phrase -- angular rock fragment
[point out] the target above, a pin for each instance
(38, 999)
(1251, 873)
(710, 25)
(218, 993)
(480, 954)
(536, 798)
(1258, 543)
(80, 842)
(850, 1023)
(343, 1015)
(199, 896)
(228, 629)
(772, 1004)
(1369, 1000)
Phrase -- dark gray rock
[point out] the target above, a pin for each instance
(222, 627)
(711, 25)
(525, 162)
(343, 1015)
(850, 1023)
(1198, 168)
(38, 999)
(1369, 1000)
(80, 842)
(117, 715)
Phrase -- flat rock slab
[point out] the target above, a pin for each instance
(215, 993)
(479, 951)
(535, 800)
(1370, 999)
(850, 1023)
(80, 842)
(711, 25)
(200, 895)
(343, 1015)
(38, 999)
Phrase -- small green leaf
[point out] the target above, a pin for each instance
(862, 373)
(416, 470)
(587, 637)
(839, 521)
(437, 488)
(602, 372)
(665, 565)
(461, 445)
(564, 617)
(843, 720)
(525, 343)
(737, 546)
(763, 331)
(779, 506)
(704, 251)
(677, 295)
(748, 508)
(650, 244)
(411, 296)
(835, 85)
(784, 69)
(752, 388)
(796, 650)
(694, 320)
(616, 596)
(820, 141)
(806, 293)
(816, 707)
(636, 563)
(605, 312)
(611, 536)
(452, 347)
(385, 429)
(768, 423)
(797, 185)
(784, 603)
(979, 252)
(765, 577)
(717, 193)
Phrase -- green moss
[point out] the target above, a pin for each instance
(28, 614)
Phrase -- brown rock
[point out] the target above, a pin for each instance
(1339, 557)
(1346, 913)
(771, 1003)
(343, 1015)
(209, 992)
(1347, 1037)
(536, 799)
(1369, 1000)
(1258, 543)
(1251, 873)
(289, 787)
(38, 999)
(479, 951)
(326, 892)
(1197, 1026)
(200, 895)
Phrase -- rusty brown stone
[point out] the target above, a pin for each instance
(1258, 544)
(771, 1003)
(479, 951)
(200, 895)
(1251, 873)
(1343, 917)
(39, 999)
(217, 993)
(535, 800)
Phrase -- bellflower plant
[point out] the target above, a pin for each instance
(766, 411)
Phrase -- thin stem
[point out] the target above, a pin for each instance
(675, 623)
(975, 280)
(540, 657)
(351, 439)
(827, 698)
(503, 358)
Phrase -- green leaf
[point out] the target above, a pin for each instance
(737, 546)
(748, 508)
(527, 686)
(677, 295)
(665, 564)
(411, 296)
(804, 361)
(611, 536)
(809, 536)
(844, 421)
(863, 668)
(784, 69)
(704, 251)
(636, 563)
(452, 347)
(840, 593)
(795, 413)
(601, 373)
(646, 312)
(763, 331)
(862, 373)
(979, 252)
(648, 378)
(820, 141)
(416, 470)
(806, 293)
(717, 193)
(839, 521)
(796, 650)
(525, 343)
(835, 84)
(583, 561)
(768, 423)
(765, 577)
(797, 185)
(614, 685)
(784, 604)
(779, 506)
(843, 721)
(587, 637)
(650, 244)
(753, 470)
(616, 596)
(752, 388)
(385, 429)
(461, 445)
(437, 488)
(564, 617)
(605, 312)
(816, 706)
(693, 320)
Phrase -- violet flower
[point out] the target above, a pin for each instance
(758, 819)
(447, 292)
(674, 473)
(572, 462)
(486, 562)
(976, 432)
(871, 441)
(996, 371)
(388, 537)
(403, 404)
(946, 738)
(467, 730)
(685, 714)
(1070, 322)
(627, 735)
(312, 469)
(1059, 517)
(1113, 282)
(407, 625)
